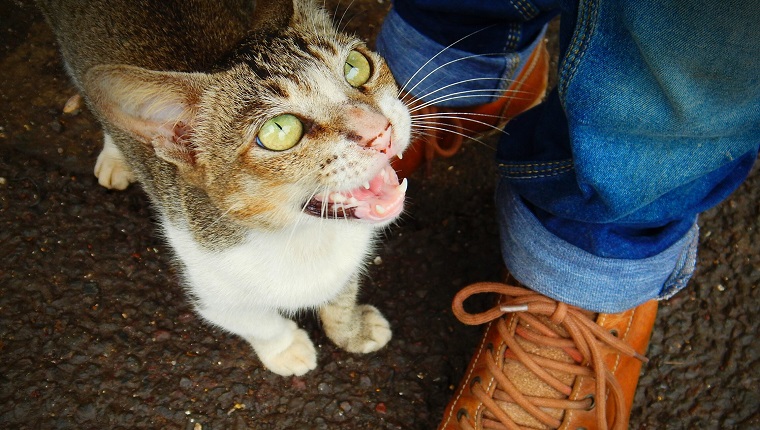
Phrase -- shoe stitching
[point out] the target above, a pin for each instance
(469, 375)
(510, 329)
(624, 336)
(600, 321)
(513, 323)
(569, 417)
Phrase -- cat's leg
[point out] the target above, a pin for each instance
(355, 328)
(281, 346)
(111, 168)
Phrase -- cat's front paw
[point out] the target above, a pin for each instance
(367, 332)
(111, 169)
(297, 358)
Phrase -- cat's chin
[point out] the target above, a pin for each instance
(379, 201)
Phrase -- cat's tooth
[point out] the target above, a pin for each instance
(337, 198)
(366, 185)
(379, 209)
(400, 156)
(403, 186)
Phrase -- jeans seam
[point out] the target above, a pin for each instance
(587, 22)
(535, 170)
(513, 37)
(510, 69)
(526, 10)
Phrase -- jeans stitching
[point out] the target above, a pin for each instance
(546, 163)
(513, 37)
(587, 20)
(520, 8)
(531, 8)
(516, 171)
(528, 177)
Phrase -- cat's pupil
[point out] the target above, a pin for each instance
(357, 69)
(280, 133)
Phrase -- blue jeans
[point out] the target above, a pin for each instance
(655, 118)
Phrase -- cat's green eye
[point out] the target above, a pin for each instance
(280, 133)
(356, 69)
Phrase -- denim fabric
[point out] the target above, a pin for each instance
(449, 76)
(656, 118)
(566, 273)
(503, 26)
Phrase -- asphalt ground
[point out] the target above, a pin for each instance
(96, 331)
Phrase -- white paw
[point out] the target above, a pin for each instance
(376, 331)
(111, 169)
(296, 359)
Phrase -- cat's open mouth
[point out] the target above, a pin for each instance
(379, 200)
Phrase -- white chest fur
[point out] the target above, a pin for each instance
(286, 270)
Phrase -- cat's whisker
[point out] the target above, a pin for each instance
(497, 93)
(411, 78)
(338, 26)
(424, 78)
(457, 132)
(469, 94)
(427, 121)
(443, 88)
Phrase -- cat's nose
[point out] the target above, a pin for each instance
(369, 129)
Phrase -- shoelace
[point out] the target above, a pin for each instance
(584, 345)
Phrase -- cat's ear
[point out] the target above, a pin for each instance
(157, 108)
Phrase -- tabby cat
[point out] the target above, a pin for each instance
(263, 137)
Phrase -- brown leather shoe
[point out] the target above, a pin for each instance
(447, 128)
(544, 364)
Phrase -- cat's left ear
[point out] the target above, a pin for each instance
(157, 108)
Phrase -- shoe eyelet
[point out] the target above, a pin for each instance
(475, 380)
(462, 413)
(591, 406)
(614, 332)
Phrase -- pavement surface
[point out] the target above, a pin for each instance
(96, 332)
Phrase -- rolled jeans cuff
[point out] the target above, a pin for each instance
(555, 268)
(446, 76)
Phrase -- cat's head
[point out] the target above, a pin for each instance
(298, 123)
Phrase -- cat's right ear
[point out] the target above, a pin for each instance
(156, 108)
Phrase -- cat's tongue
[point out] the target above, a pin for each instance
(379, 200)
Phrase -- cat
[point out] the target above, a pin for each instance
(263, 137)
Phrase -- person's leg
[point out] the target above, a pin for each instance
(465, 67)
(655, 119)
(461, 53)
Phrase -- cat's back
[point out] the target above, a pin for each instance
(176, 35)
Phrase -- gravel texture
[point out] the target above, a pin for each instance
(96, 332)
